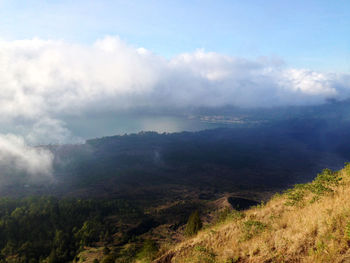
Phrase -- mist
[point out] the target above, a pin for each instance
(20, 163)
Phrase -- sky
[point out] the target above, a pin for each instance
(311, 34)
(68, 62)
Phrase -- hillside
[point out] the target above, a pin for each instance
(309, 223)
(131, 195)
(150, 166)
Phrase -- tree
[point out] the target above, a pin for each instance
(194, 224)
(110, 258)
(148, 252)
(53, 257)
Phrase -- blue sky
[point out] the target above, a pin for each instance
(305, 33)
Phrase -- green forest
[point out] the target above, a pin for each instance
(47, 229)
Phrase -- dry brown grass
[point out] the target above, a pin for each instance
(309, 230)
(89, 254)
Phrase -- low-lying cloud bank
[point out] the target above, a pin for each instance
(21, 163)
(42, 78)
(43, 81)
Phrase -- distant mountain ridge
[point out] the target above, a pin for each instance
(269, 156)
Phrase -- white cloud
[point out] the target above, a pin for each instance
(41, 81)
(47, 131)
(20, 162)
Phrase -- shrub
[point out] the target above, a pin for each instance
(347, 168)
(296, 194)
(229, 214)
(202, 254)
(322, 184)
(347, 231)
(148, 252)
(252, 228)
(106, 251)
(324, 181)
(110, 258)
(194, 224)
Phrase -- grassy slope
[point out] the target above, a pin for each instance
(310, 223)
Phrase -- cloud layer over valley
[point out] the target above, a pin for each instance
(48, 78)
(44, 81)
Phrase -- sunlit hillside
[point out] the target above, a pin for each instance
(309, 223)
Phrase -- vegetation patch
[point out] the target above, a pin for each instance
(194, 224)
(148, 252)
(252, 228)
(321, 185)
(296, 195)
(203, 255)
(229, 214)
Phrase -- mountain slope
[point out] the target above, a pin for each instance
(271, 156)
(309, 223)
